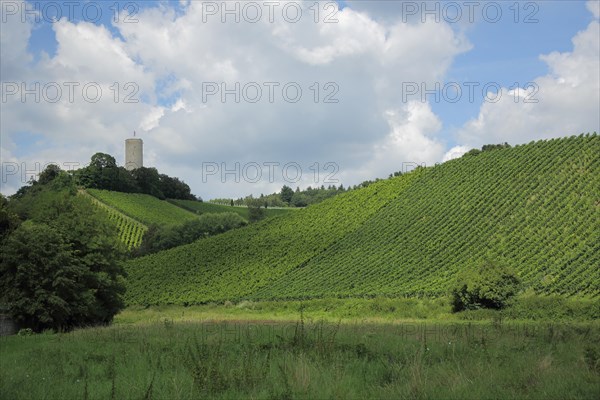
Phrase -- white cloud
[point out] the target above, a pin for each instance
(152, 119)
(370, 132)
(594, 7)
(455, 152)
(568, 100)
(411, 141)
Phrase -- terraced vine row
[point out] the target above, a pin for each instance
(534, 207)
(238, 263)
(144, 208)
(131, 232)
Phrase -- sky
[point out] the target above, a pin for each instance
(242, 97)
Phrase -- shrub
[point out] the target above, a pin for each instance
(488, 286)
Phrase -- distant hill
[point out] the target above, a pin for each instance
(534, 207)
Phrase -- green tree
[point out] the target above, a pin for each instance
(174, 188)
(255, 210)
(489, 285)
(148, 181)
(49, 174)
(103, 160)
(9, 220)
(286, 194)
(60, 268)
(300, 199)
(41, 278)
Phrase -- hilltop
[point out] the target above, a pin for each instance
(534, 207)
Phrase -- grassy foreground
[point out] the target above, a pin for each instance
(270, 351)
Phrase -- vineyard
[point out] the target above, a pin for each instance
(204, 207)
(143, 208)
(535, 208)
(130, 231)
(238, 263)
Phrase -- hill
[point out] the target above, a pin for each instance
(143, 207)
(534, 207)
(130, 231)
(200, 207)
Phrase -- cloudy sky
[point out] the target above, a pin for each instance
(312, 93)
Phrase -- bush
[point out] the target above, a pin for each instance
(488, 286)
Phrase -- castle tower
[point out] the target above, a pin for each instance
(134, 153)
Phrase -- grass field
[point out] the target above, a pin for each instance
(237, 351)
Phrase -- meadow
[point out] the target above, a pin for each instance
(307, 350)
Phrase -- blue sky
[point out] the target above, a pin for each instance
(370, 53)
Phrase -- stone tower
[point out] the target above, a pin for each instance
(134, 153)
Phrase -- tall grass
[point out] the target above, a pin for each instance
(306, 359)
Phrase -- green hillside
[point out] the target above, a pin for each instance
(201, 207)
(130, 231)
(237, 263)
(534, 207)
(143, 208)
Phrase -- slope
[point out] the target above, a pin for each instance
(237, 263)
(143, 208)
(130, 231)
(534, 207)
(199, 207)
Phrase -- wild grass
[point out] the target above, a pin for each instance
(306, 358)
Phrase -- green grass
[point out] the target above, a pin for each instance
(306, 358)
(143, 208)
(533, 207)
(204, 207)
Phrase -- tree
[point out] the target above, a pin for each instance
(255, 211)
(173, 188)
(299, 199)
(286, 194)
(9, 220)
(40, 278)
(103, 160)
(148, 181)
(60, 269)
(489, 285)
(49, 173)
